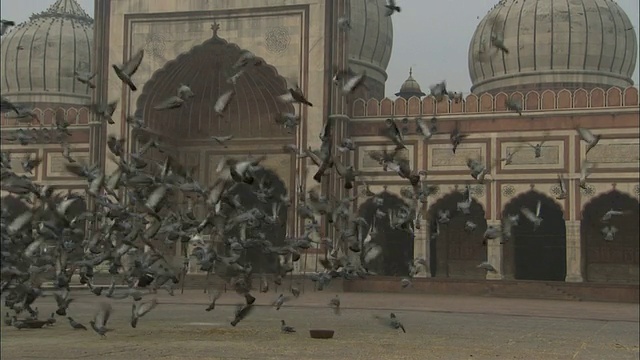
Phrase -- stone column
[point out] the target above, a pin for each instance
(494, 254)
(574, 252)
(421, 247)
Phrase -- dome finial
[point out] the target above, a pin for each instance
(410, 70)
(215, 27)
(66, 9)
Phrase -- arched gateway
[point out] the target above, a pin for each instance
(539, 254)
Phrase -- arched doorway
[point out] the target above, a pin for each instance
(396, 244)
(458, 248)
(615, 260)
(206, 69)
(275, 233)
(539, 254)
(80, 230)
(13, 206)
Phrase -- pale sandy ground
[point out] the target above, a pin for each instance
(438, 327)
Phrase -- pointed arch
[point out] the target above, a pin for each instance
(539, 254)
(456, 252)
(617, 260)
(14, 206)
(206, 68)
(397, 245)
(75, 209)
(275, 233)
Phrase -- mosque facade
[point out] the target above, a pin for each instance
(566, 72)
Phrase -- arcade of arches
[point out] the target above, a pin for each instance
(558, 250)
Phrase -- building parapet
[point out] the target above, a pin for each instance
(486, 103)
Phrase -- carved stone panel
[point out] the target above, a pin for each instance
(614, 153)
(367, 164)
(551, 155)
(613, 255)
(442, 158)
(56, 163)
(16, 163)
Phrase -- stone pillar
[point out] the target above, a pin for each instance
(494, 254)
(421, 247)
(574, 252)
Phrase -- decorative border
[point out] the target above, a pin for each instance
(502, 143)
(483, 144)
(46, 158)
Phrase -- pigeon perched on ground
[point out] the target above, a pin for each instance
(286, 328)
(334, 303)
(392, 322)
(76, 325)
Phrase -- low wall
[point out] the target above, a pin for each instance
(586, 291)
(628, 293)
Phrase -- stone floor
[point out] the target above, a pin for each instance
(438, 327)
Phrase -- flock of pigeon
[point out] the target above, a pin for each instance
(48, 242)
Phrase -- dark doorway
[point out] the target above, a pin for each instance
(457, 250)
(397, 245)
(539, 254)
(13, 206)
(615, 260)
(275, 233)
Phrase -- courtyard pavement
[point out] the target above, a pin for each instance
(438, 327)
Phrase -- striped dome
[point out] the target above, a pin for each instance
(554, 44)
(39, 56)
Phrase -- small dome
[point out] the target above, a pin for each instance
(370, 40)
(39, 56)
(410, 87)
(553, 44)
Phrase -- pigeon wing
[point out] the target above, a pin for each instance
(131, 66)
(586, 134)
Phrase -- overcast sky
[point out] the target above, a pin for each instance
(432, 36)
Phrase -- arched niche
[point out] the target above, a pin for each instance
(456, 252)
(75, 209)
(539, 254)
(617, 260)
(14, 206)
(275, 233)
(397, 245)
(205, 69)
